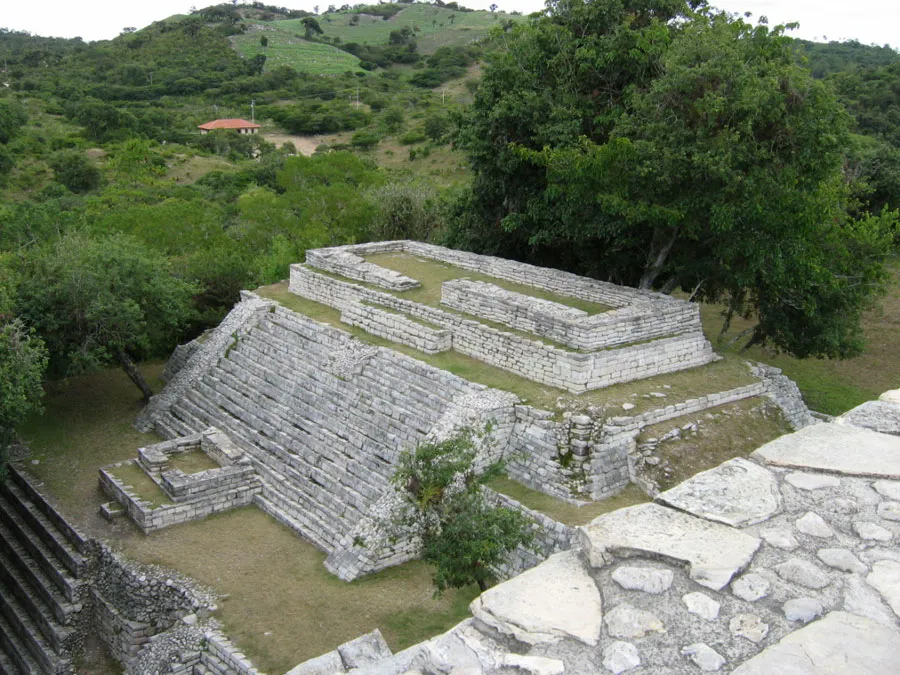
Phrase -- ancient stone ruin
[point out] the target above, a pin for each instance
(790, 554)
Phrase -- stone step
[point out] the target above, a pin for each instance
(272, 507)
(13, 535)
(23, 629)
(76, 541)
(17, 570)
(16, 561)
(55, 634)
(16, 658)
(40, 525)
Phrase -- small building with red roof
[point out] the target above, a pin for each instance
(241, 126)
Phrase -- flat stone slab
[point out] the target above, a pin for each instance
(835, 448)
(366, 649)
(812, 481)
(737, 493)
(880, 416)
(885, 578)
(647, 579)
(625, 621)
(555, 600)
(839, 644)
(714, 552)
(701, 605)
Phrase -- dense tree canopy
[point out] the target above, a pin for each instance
(663, 154)
(102, 300)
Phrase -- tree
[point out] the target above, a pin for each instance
(665, 154)
(74, 170)
(464, 536)
(263, 41)
(311, 27)
(97, 301)
(12, 118)
(23, 359)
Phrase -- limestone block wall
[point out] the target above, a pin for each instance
(573, 371)
(227, 488)
(397, 328)
(341, 261)
(568, 325)
(321, 415)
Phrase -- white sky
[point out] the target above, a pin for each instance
(869, 21)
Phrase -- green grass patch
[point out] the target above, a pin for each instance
(293, 51)
(562, 511)
(833, 386)
(141, 484)
(296, 610)
(431, 24)
(432, 273)
(724, 432)
(192, 461)
(728, 373)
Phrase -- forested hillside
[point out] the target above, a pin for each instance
(651, 145)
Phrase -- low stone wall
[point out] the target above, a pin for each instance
(180, 356)
(341, 261)
(568, 325)
(397, 328)
(123, 637)
(573, 371)
(149, 517)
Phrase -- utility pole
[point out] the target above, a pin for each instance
(253, 110)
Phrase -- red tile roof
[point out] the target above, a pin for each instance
(229, 124)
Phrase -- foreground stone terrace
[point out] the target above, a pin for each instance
(785, 563)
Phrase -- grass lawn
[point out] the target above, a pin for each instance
(193, 461)
(432, 26)
(141, 484)
(562, 511)
(725, 432)
(286, 49)
(833, 387)
(282, 606)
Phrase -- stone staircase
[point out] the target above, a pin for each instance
(42, 566)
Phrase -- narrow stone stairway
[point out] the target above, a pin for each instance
(41, 589)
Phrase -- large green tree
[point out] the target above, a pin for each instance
(101, 300)
(696, 153)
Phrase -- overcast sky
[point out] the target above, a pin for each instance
(869, 21)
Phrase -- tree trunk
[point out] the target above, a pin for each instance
(659, 253)
(134, 374)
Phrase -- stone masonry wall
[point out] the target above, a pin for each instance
(573, 371)
(567, 325)
(353, 267)
(397, 328)
(321, 415)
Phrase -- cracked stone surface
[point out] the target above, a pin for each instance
(871, 531)
(889, 510)
(812, 481)
(881, 416)
(625, 621)
(838, 643)
(546, 603)
(736, 493)
(750, 587)
(813, 525)
(802, 572)
(715, 552)
(841, 559)
(885, 578)
(748, 626)
(830, 448)
(802, 609)
(645, 579)
(702, 605)
(620, 657)
(812, 588)
(706, 658)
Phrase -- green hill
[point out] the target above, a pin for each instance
(432, 25)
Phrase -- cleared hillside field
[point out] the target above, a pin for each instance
(285, 49)
(434, 26)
